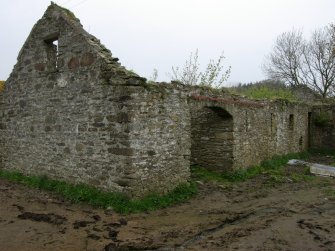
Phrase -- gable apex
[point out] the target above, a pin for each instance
(58, 43)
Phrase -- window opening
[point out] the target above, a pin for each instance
(55, 45)
(291, 122)
(53, 50)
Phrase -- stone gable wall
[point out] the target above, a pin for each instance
(86, 118)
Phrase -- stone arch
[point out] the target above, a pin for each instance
(212, 138)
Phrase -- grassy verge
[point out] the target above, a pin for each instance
(96, 197)
(121, 204)
(272, 167)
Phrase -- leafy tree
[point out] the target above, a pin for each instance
(297, 61)
(214, 75)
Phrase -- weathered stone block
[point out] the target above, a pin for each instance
(87, 59)
(122, 118)
(121, 151)
(73, 63)
(80, 147)
(39, 67)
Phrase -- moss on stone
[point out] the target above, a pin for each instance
(2, 85)
(68, 13)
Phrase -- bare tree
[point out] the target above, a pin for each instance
(300, 62)
(284, 62)
(190, 74)
(319, 62)
(332, 32)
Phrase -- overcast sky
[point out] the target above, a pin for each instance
(148, 34)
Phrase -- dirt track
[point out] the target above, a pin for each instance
(255, 215)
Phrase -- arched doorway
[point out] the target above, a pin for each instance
(212, 139)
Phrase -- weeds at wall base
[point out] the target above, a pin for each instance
(98, 198)
(272, 167)
(121, 204)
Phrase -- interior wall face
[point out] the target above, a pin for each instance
(212, 139)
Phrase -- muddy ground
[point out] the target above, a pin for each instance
(259, 214)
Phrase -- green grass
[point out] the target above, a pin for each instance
(265, 92)
(330, 192)
(122, 204)
(273, 167)
(98, 198)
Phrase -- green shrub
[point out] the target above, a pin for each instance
(323, 119)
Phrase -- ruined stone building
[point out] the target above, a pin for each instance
(72, 112)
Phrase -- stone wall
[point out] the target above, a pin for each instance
(248, 131)
(72, 112)
(159, 136)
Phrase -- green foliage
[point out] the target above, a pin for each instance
(190, 74)
(267, 93)
(273, 167)
(214, 74)
(96, 197)
(323, 119)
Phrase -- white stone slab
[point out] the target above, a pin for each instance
(317, 169)
(323, 170)
(294, 162)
